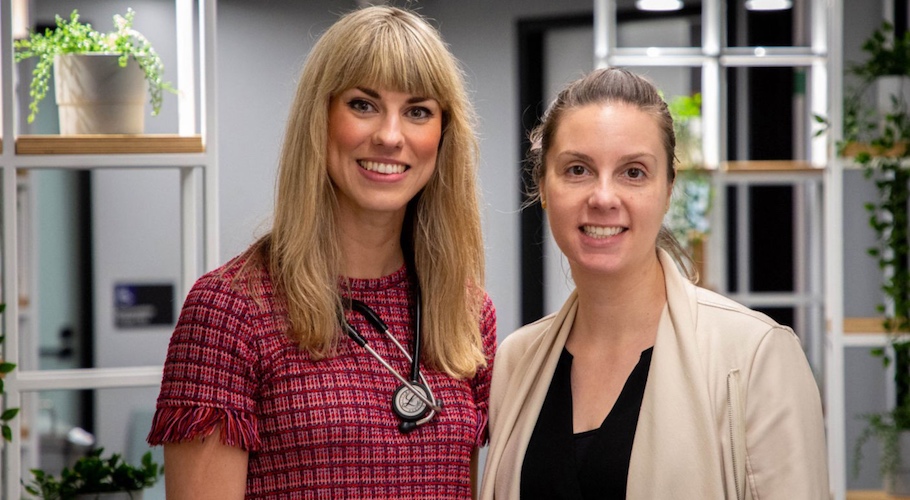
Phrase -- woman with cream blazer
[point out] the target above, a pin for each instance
(717, 420)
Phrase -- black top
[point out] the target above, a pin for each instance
(594, 464)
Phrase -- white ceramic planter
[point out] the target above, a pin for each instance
(96, 96)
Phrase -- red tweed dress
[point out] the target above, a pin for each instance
(316, 429)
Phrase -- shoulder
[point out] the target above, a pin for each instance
(234, 298)
(520, 341)
(487, 309)
(238, 280)
(487, 325)
(726, 311)
(738, 332)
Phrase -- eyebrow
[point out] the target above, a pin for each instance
(623, 159)
(375, 95)
(576, 154)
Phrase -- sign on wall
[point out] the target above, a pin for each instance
(142, 305)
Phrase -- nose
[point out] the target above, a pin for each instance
(603, 195)
(388, 133)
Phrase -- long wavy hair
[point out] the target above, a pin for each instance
(388, 48)
(605, 86)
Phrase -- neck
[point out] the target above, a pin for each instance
(371, 248)
(620, 310)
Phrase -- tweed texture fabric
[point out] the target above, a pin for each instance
(316, 429)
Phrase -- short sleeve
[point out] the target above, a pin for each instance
(210, 370)
(481, 382)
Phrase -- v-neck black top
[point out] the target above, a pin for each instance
(559, 464)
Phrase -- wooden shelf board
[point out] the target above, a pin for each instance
(863, 325)
(768, 166)
(108, 144)
(872, 495)
(854, 148)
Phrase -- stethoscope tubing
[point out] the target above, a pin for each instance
(362, 342)
(380, 325)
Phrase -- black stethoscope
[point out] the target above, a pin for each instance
(413, 401)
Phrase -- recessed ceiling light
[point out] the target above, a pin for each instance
(659, 4)
(768, 4)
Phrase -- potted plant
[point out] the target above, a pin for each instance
(9, 413)
(876, 139)
(689, 215)
(121, 56)
(97, 477)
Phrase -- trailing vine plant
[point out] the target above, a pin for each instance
(74, 37)
(10, 413)
(884, 159)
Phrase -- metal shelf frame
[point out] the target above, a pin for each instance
(196, 36)
(818, 188)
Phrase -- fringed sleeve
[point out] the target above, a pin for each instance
(178, 424)
(211, 372)
(481, 382)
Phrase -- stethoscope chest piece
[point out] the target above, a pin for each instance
(413, 401)
(407, 405)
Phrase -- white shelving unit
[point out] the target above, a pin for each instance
(812, 179)
(192, 151)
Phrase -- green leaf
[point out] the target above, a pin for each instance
(7, 367)
(7, 432)
(9, 414)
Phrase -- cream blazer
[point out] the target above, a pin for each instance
(731, 409)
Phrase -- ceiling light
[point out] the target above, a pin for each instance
(768, 4)
(659, 4)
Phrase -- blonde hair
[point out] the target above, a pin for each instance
(388, 48)
(604, 86)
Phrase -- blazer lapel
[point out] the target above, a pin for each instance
(676, 449)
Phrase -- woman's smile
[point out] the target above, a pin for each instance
(382, 148)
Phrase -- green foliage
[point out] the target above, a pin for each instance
(94, 473)
(74, 37)
(886, 133)
(10, 413)
(887, 55)
(683, 107)
(689, 215)
(886, 429)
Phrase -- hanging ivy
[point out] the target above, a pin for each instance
(10, 413)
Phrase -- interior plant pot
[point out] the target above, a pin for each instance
(115, 495)
(898, 483)
(96, 96)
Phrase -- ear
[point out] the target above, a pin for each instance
(541, 193)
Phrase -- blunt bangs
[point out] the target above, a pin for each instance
(393, 57)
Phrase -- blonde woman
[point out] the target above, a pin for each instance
(347, 354)
(643, 386)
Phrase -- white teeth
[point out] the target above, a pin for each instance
(382, 168)
(601, 232)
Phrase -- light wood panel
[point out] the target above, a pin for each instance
(108, 144)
